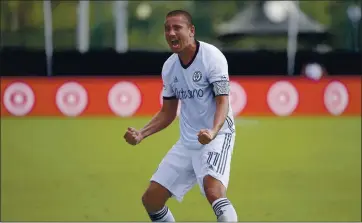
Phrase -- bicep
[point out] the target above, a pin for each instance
(222, 100)
(169, 105)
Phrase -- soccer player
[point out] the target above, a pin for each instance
(197, 75)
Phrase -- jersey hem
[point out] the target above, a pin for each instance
(169, 98)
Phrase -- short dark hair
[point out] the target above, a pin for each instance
(181, 12)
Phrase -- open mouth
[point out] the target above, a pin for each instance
(175, 43)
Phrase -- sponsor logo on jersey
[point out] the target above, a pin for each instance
(188, 94)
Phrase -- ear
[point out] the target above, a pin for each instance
(192, 29)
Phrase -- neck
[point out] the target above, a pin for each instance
(187, 54)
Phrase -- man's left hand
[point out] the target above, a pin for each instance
(205, 136)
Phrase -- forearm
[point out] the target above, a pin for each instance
(222, 109)
(160, 121)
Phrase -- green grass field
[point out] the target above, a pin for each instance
(283, 169)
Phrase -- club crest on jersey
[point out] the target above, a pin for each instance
(197, 76)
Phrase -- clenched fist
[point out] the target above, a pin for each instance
(133, 136)
(205, 136)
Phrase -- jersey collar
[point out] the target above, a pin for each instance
(185, 66)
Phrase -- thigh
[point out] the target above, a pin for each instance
(176, 172)
(214, 159)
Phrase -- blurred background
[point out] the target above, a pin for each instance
(115, 28)
(139, 24)
(76, 74)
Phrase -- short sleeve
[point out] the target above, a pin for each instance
(167, 91)
(219, 75)
(218, 69)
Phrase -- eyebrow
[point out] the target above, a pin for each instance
(177, 25)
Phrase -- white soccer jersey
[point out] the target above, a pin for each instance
(193, 85)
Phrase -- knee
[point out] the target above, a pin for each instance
(213, 189)
(145, 198)
(149, 199)
(154, 198)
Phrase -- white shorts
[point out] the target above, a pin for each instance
(182, 168)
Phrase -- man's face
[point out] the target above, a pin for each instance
(178, 32)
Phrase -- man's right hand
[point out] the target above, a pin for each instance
(133, 136)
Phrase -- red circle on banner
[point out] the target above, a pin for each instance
(71, 99)
(124, 99)
(238, 97)
(336, 98)
(19, 99)
(282, 98)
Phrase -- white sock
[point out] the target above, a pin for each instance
(224, 210)
(163, 215)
